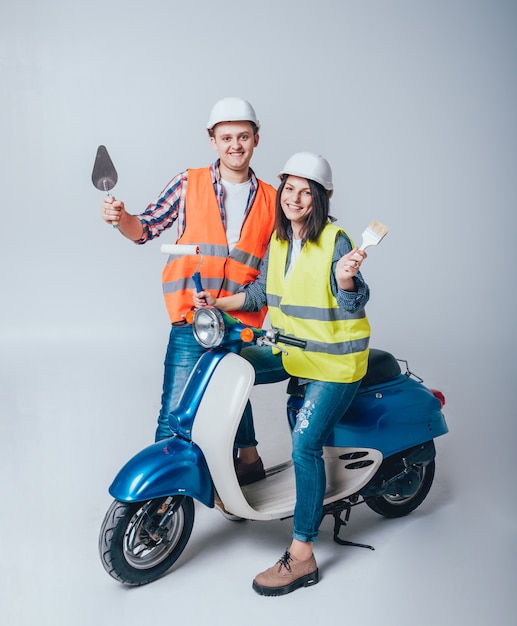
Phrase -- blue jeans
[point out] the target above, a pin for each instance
(323, 406)
(182, 355)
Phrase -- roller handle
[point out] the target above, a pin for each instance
(196, 277)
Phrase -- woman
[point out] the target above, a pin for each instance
(311, 283)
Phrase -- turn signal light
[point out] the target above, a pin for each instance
(247, 335)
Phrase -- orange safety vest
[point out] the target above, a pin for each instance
(222, 273)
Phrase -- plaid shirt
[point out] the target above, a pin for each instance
(170, 206)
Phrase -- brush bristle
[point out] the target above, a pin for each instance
(379, 229)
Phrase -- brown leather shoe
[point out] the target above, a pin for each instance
(248, 473)
(286, 575)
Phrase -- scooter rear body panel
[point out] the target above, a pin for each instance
(390, 417)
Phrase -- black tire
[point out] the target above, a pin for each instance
(398, 506)
(139, 542)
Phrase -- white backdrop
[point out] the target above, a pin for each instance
(412, 102)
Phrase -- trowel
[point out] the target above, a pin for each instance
(104, 175)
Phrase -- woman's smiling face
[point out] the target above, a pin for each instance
(296, 201)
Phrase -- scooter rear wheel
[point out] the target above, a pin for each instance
(140, 541)
(394, 505)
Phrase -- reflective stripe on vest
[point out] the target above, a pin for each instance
(221, 273)
(304, 306)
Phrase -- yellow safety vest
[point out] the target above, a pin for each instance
(304, 306)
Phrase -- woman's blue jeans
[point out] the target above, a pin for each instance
(323, 406)
(182, 355)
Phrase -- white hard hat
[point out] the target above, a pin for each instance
(311, 166)
(232, 110)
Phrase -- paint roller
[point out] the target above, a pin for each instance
(185, 250)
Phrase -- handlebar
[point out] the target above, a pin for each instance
(272, 337)
(212, 327)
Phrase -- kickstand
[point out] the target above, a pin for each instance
(338, 523)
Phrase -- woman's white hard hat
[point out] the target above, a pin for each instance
(232, 110)
(311, 166)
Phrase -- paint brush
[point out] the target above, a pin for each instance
(374, 233)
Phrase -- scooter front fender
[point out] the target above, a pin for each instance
(169, 467)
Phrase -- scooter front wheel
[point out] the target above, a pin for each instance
(140, 541)
(396, 505)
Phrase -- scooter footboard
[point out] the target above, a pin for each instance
(169, 467)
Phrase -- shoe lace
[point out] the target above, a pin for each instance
(285, 561)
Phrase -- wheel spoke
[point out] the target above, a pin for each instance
(141, 549)
(396, 505)
(139, 542)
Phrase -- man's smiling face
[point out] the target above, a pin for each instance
(234, 143)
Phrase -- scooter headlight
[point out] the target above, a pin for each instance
(208, 327)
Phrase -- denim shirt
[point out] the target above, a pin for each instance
(351, 301)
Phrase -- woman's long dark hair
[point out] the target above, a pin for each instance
(317, 218)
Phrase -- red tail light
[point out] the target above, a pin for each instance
(439, 395)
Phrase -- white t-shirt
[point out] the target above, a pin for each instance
(235, 201)
(295, 253)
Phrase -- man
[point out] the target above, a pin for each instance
(226, 211)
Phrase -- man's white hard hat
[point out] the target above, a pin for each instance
(232, 110)
(311, 166)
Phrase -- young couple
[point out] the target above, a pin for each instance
(265, 250)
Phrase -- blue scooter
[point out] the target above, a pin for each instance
(381, 453)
